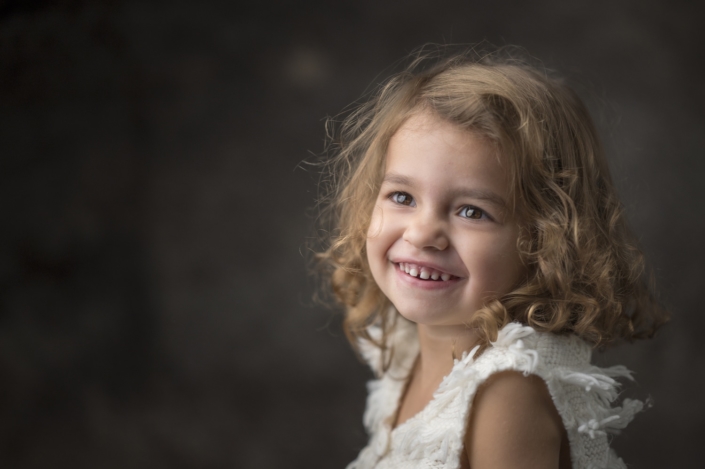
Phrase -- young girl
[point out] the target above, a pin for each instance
(481, 254)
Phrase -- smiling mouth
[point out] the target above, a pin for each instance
(424, 273)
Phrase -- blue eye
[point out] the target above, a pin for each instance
(402, 198)
(472, 213)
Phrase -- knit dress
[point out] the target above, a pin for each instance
(582, 393)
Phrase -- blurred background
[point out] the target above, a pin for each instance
(155, 304)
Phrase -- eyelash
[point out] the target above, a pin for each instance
(394, 197)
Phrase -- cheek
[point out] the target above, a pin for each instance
(375, 223)
(375, 241)
(495, 266)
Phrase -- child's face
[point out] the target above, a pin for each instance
(441, 240)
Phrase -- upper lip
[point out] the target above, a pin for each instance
(428, 265)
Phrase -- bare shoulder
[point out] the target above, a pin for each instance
(514, 424)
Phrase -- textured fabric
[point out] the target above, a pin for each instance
(433, 438)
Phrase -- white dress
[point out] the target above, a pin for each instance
(433, 438)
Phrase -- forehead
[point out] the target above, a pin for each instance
(431, 152)
(426, 134)
(427, 126)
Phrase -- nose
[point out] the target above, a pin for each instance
(427, 231)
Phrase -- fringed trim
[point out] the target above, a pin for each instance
(511, 333)
(600, 418)
(614, 423)
(600, 381)
(401, 343)
(370, 352)
(436, 433)
(510, 338)
(452, 399)
(384, 392)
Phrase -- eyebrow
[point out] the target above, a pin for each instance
(481, 194)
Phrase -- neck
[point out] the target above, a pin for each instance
(437, 347)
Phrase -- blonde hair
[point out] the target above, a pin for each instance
(586, 274)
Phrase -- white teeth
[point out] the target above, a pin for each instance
(423, 272)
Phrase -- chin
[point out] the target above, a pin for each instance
(428, 317)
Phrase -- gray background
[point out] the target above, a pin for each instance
(155, 303)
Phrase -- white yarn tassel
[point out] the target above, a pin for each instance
(509, 339)
(597, 380)
(370, 352)
(468, 357)
(511, 333)
(528, 357)
(613, 423)
(590, 380)
(594, 427)
(626, 413)
(618, 371)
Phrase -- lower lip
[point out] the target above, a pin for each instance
(425, 284)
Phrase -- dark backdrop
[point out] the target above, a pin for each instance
(155, 307)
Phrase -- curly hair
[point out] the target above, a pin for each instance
(586, 274)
